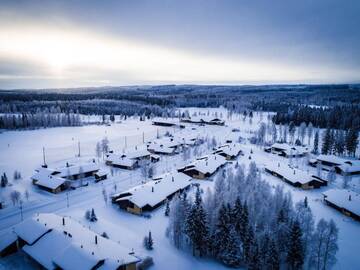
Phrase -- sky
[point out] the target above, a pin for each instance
(78, 43)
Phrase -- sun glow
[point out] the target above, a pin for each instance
(69, 53)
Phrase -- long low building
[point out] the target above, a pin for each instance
(341, 165)
(59, 242)
(229, 151)
(286, 150)
(58, 179)
(167, 122)
(345, 201)
(295, 177)
(208, 120)
(204, 167)
(149, 196)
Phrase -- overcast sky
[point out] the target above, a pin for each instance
(95, 43)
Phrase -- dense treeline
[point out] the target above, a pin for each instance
(339, 117)
(244, 222)
(159, 100)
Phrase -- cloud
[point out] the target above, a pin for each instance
(128, 42)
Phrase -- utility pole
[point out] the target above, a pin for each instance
(79, 148)
(67, 199)
(143, 137)
(44, 156)
(21, 210)
(125, 142)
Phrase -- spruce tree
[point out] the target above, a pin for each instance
(316, 143)
(295, 255)
(196, 226)
(272, 258)
(167, 208)
(327, 143)
(351, 141)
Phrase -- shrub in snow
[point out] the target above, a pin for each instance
(104, 234)
(148, 242)
(298, 142)
(15, 196)
(4, 180)
(17, 175)
(90, 215)
(145, 263)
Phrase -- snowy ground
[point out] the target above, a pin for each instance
(22, 150)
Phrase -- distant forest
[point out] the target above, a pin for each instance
(333, 106)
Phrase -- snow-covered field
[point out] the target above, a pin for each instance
(22, 151)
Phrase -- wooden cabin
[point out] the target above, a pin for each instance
(204, 167)
(295, 177)
(151, 195)
(345, 201)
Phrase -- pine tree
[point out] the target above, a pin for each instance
(196, 226)
(295, 255)
(4, 180)
(327, 143)
(316, 143)
(351, 141)
(167, 208)
(272, 261)
(93, 217)
(148, 242)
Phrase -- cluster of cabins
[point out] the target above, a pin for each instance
(59, 242)
(203, 120)
(340, 165)
(286, 150)
(168, 145)
(56, 180)
(295, 177)
(148, 196)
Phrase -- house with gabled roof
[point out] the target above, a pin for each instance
(287, 150)
(204, 167)
(229, 151)
(59, 242)
(294, 176)
(148, 196)
(345, 201)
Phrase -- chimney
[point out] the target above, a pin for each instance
(63, 221)
(279, 164)
(294, 171)
(349, 197)
(152, 189)
(206, 163)
(96, 240)
(67, 164)
(172, 178)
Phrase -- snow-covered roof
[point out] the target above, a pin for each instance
(101, 173)
(160, 148)
(30, 230)
(207, 164)
(171, 121)
(291, 174)
(6, 239)
(343, 198)
(121, 160)
(290, 149)
(71, 245)
(232, 149)
(154, 192)
(50, 181)
(138, 153)
(204, 119)
(331, 159)
(77, 169)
